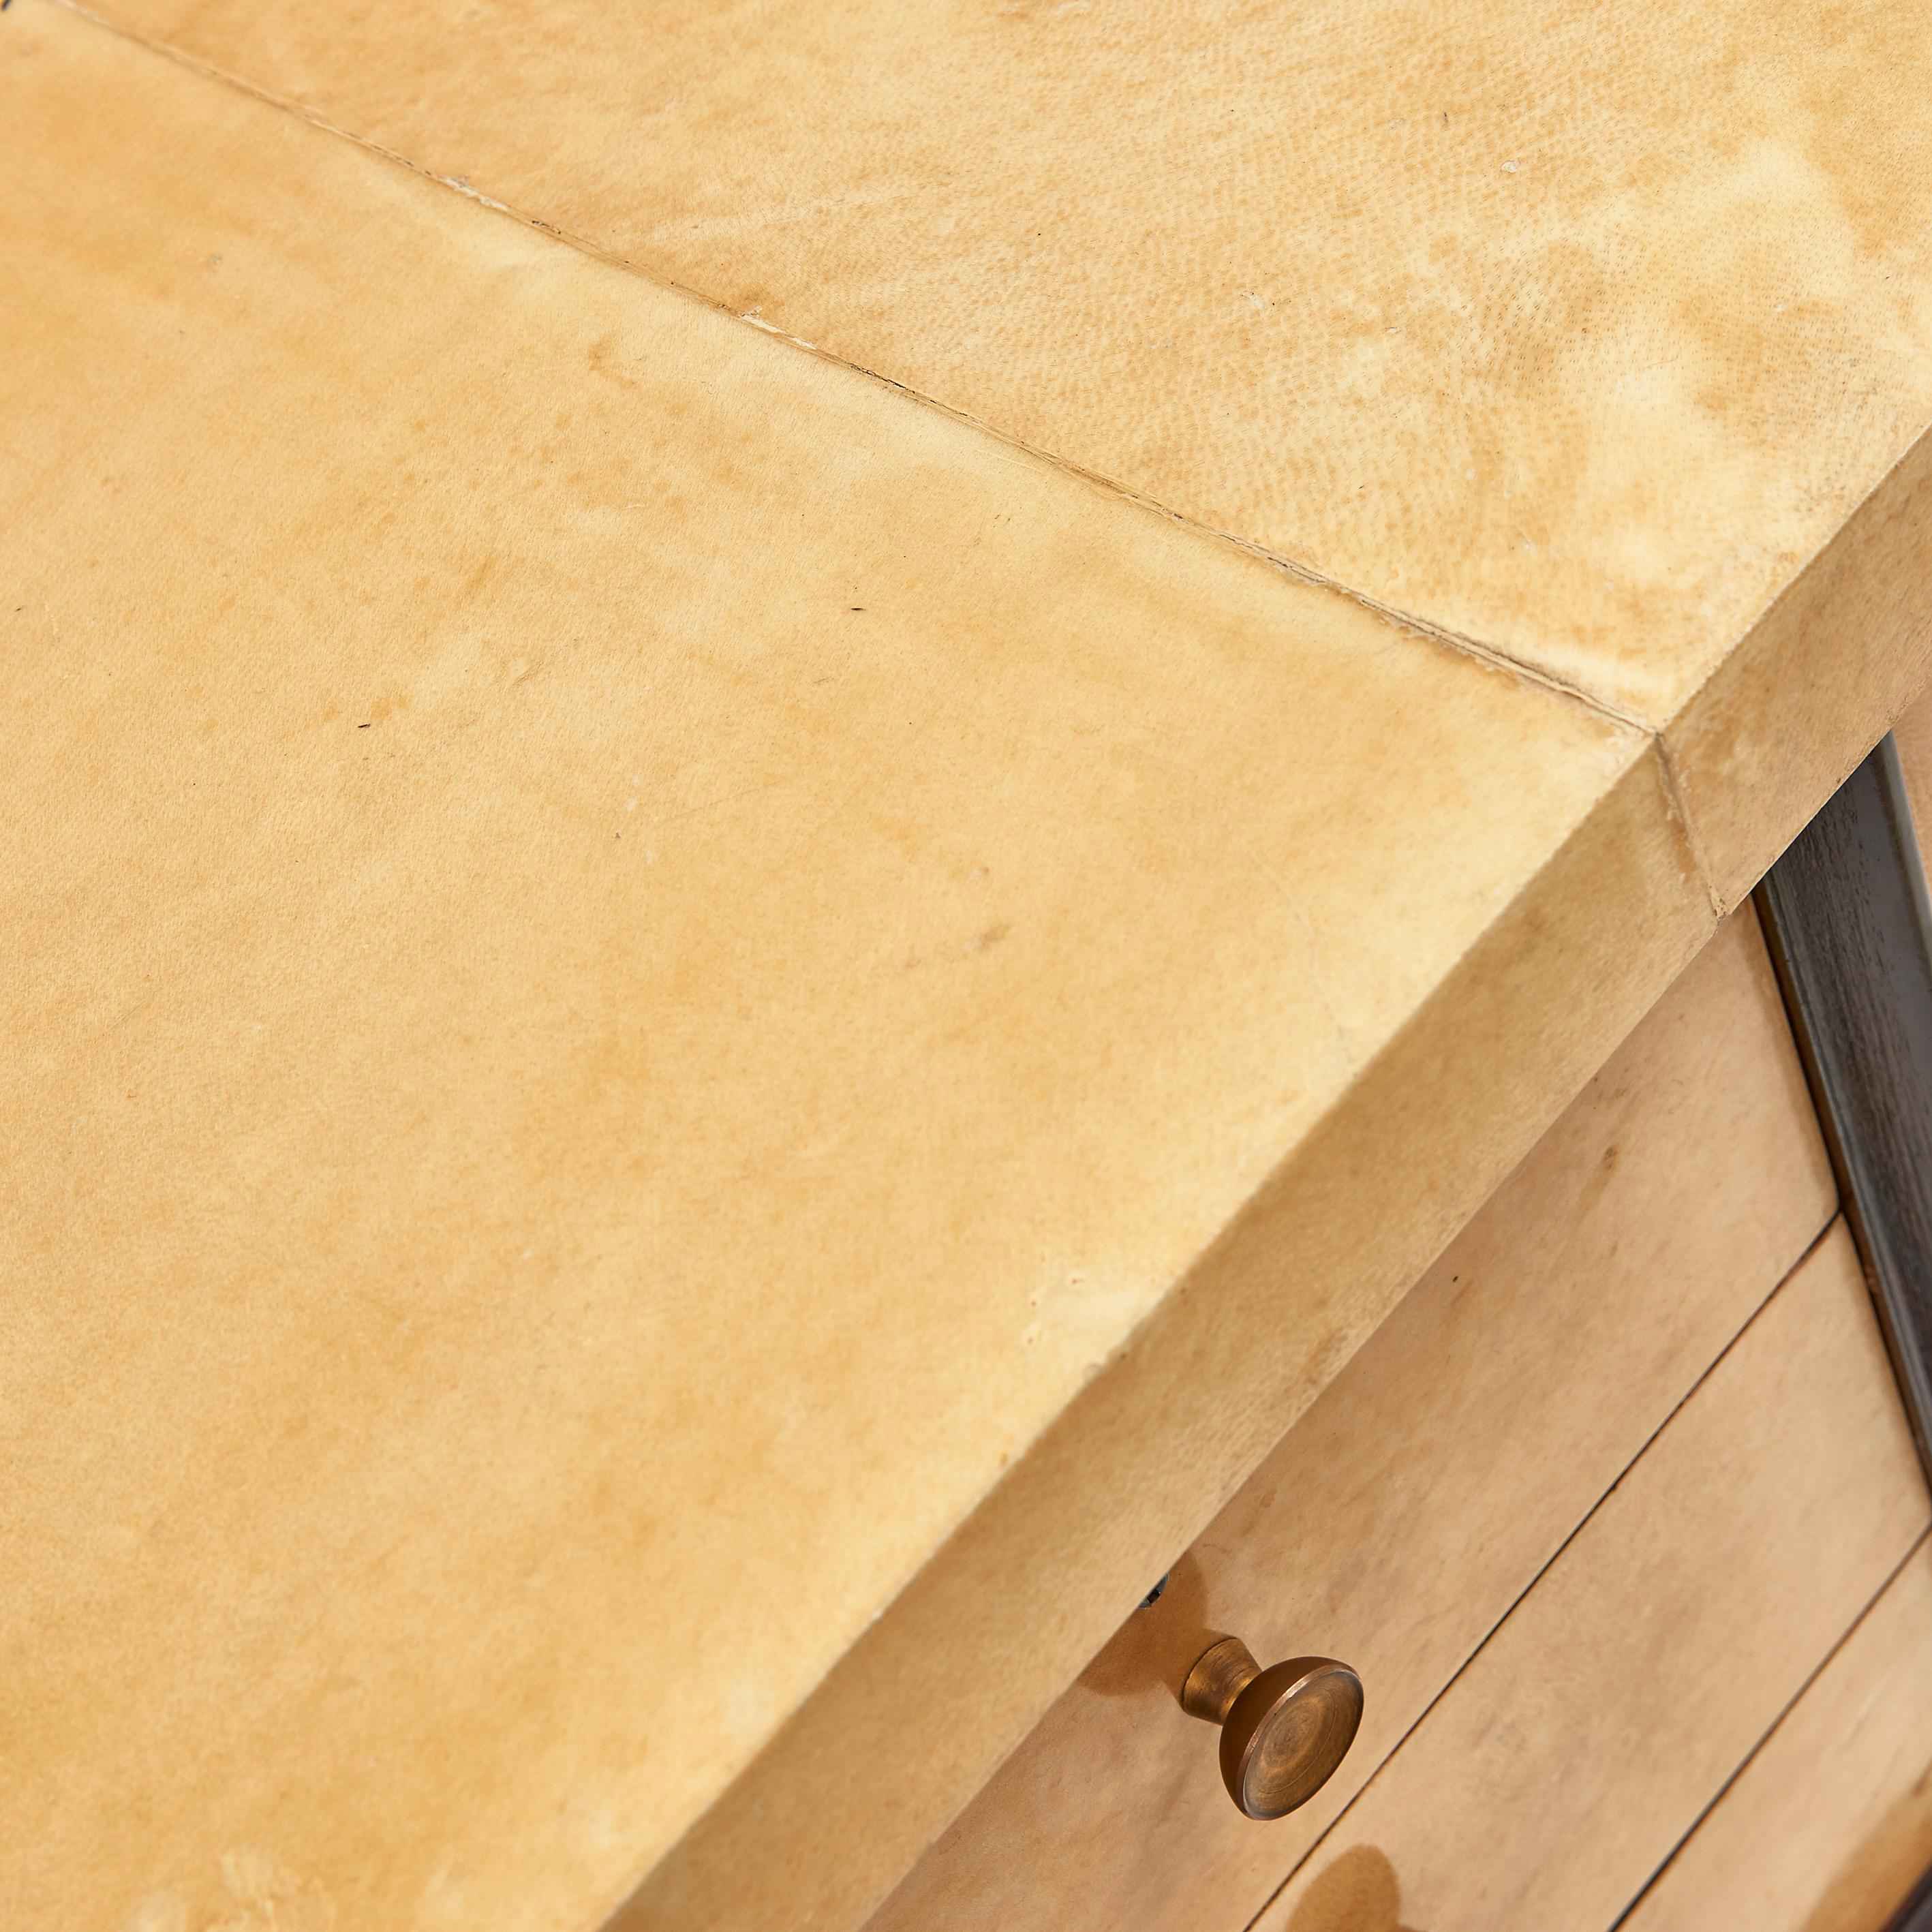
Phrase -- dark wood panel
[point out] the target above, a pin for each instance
(1845, 914)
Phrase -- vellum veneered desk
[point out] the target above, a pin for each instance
(801, 801)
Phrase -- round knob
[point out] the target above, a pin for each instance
(1283, 1729)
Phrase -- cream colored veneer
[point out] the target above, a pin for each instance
(1829, 1826)
(1597, 337)
(1913, 733)
(1561, 1768)
(661, 1007)
(1405, 1514)
(666, 1005)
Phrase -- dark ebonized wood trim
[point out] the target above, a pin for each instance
(1846, 916)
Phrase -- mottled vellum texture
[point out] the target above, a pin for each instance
(697, 1056)
(1602, 344)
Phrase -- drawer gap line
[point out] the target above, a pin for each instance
(1421, 1718)
(1744, 1764)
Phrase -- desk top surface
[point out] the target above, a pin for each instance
(701, 1050)
(1568, 330)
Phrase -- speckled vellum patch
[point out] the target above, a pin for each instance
(1597, 348)
(666, 1006)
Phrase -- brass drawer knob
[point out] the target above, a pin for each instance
(1283, 1729)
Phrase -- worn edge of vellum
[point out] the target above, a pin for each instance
(919, 1713)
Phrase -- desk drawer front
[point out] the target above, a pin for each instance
(1397, 1524)
(1585, 1740)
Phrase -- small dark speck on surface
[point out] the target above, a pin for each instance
(364, 728)
(855, 607)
